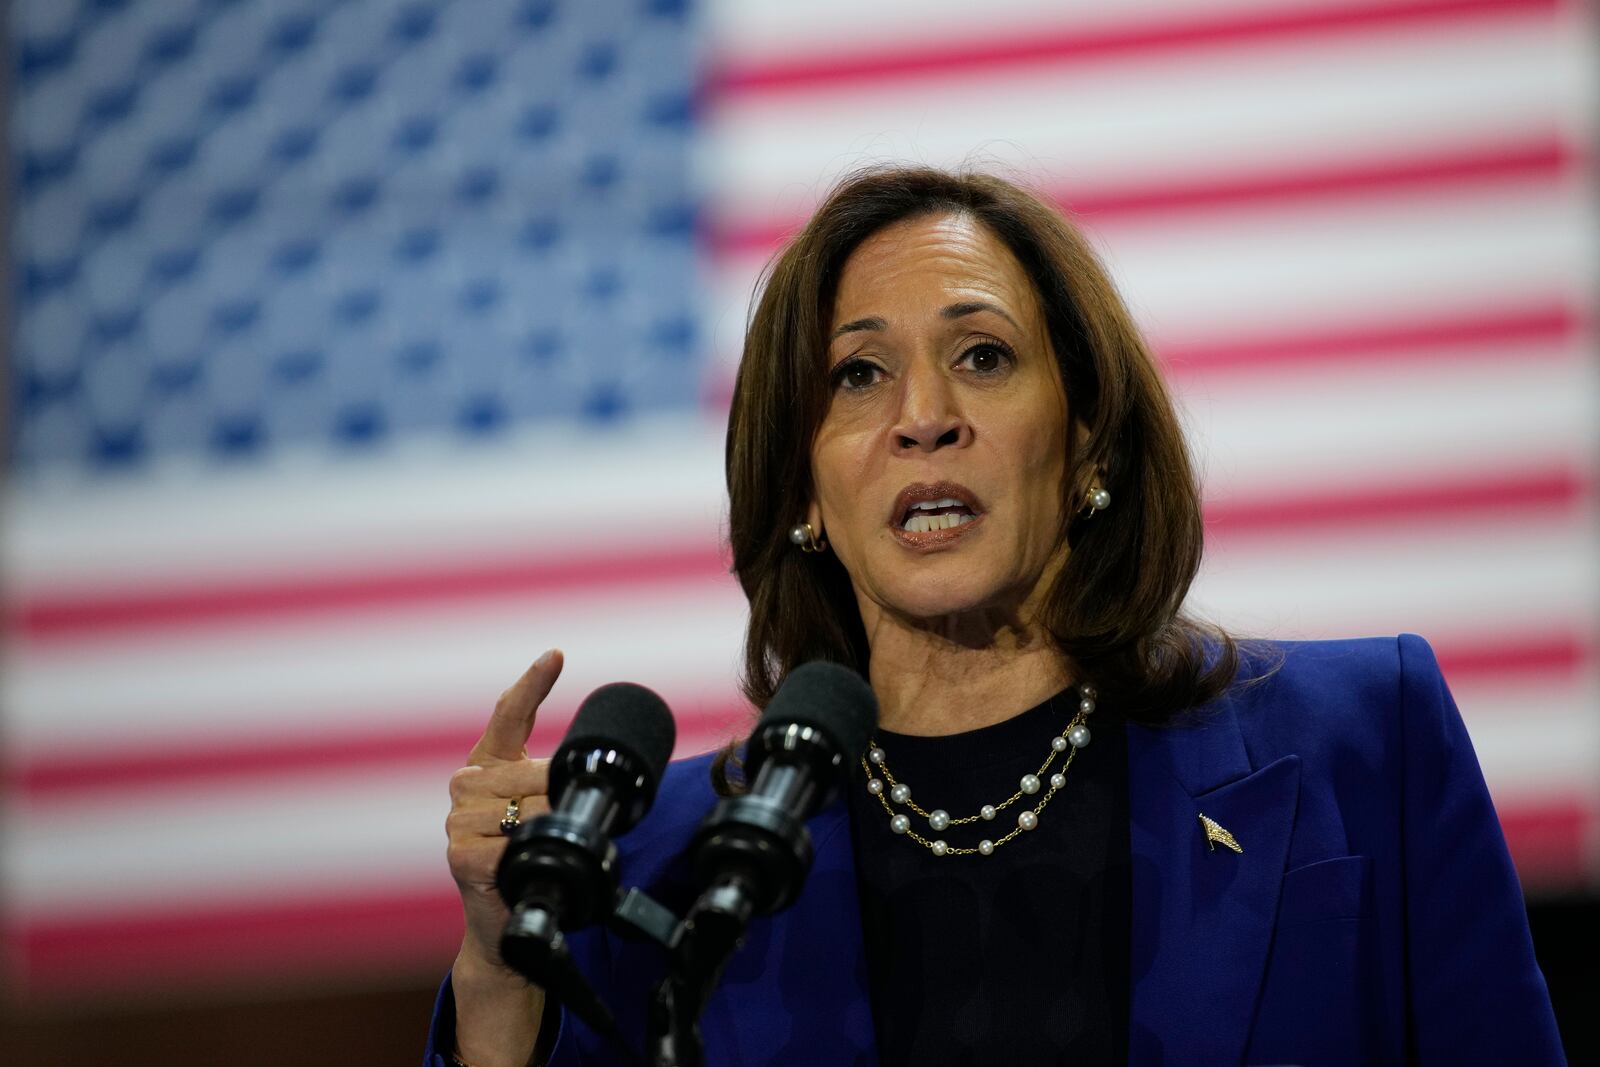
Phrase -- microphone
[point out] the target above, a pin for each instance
(753, 851)
(559, 871)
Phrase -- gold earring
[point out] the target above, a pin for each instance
(806, 538)
(1099, 500)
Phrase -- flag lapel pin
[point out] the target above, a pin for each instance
(1216, 835)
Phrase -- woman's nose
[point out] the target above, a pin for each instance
(930, 416)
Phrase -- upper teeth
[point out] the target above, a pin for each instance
(929, 505)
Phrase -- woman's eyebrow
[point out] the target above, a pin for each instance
(953, 311)
(972, 307)
(856, 325)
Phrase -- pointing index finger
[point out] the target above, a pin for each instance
(506, 736)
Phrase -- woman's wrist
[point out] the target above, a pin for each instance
(483, 964)
(497, 1012)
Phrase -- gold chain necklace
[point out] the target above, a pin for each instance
(890, 791)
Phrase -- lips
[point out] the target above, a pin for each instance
(929, 514)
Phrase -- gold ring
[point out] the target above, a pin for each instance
(510, 820)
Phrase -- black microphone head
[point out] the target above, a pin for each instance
(812, 732)
(829, 697)
(603, 779)
(629, 718)
(622, 736)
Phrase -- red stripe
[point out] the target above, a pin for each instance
(1538, 330)
(1152, 39)
(1552, 843)
(178, 764)
(1498, 494)
(1544, 656)
(69, 616)
(55, 616)
(371, 931)
(1542, 158)
(1550, 656)
(181, 764)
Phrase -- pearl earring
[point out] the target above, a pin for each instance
(1099, 500)
(806, 538)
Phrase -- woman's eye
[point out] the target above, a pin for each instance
(986, 358)
(856, 374)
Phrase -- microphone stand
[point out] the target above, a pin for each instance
(707, 938)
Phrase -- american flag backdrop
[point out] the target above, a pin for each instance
(362, 350)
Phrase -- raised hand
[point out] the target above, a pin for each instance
(497, 1012)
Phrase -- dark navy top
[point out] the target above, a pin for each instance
(1016, 957)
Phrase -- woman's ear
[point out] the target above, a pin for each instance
(814, 517)
(1080, 437)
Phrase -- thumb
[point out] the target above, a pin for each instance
(506, 736)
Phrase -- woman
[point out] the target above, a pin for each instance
(953, 466)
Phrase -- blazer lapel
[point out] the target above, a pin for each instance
(1203, 915)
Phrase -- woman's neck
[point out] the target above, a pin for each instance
(935, 680)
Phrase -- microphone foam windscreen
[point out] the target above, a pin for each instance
(832, 698)
(629, 718)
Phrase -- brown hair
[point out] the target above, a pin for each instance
(1115, 605)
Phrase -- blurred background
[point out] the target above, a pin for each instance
(359, 351)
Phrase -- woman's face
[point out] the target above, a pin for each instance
(939, 465)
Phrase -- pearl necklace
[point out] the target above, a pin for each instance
(889, 791)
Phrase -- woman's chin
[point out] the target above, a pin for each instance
(938, 606)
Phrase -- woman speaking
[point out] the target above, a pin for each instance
(1088, 828)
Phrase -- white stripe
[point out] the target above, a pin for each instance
(1277, 269)
(384, 670)
(776, 30)
(1537, 743)
(1504, 575)
(1371, 425)
(550, 492)
(306, 833)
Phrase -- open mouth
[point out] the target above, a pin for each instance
(929, 514)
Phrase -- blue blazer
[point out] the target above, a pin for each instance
(1373, 916)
